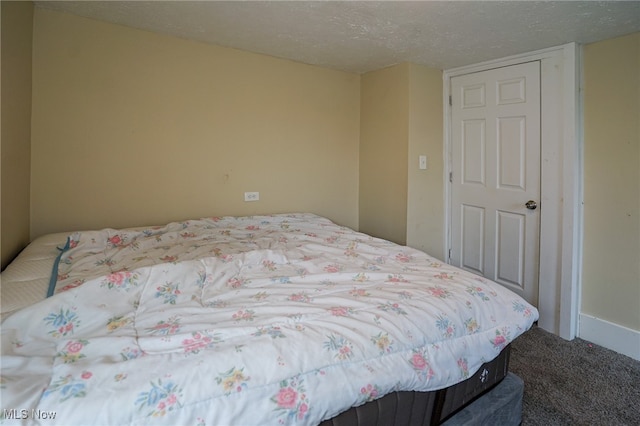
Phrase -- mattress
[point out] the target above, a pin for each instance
(25, 280)
(277, 319)
(444, 406)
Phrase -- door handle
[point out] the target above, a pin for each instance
(531, 205)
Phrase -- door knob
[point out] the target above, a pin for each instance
(531, 205)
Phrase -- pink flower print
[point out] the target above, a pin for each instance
(269, 265)
(287, 398)
(331, 240)
(418, 362)
(291, 400)
(252, 228)
(168, 292)
(115, 240)
(72, 351)
(235, 282)
(191, 345)
(162, 397)
(370, 392)
(345, 352)
(439, 292)
(393, 307)
(302, 411)
(172, 399)
(300, 297)
(74, 284)
(165, 328)
(499, 341)
(444, 276)
(396, 279)
(464, 367)
(402, 257)
(116, 278)
(341, 347)
(200, 341)
(74, 347)
(333, 268)
(119, 279)
(358, 292)
(421, 365)
(520, 307)
(339, 311)
(478, 291)
(244, 315)
(86, 375)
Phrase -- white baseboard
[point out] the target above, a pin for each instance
(611, 336)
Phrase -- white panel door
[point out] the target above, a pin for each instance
(495, 180)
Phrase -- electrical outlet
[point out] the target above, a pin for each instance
(251, 196)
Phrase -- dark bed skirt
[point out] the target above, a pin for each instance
(410, 408)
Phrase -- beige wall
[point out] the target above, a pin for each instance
(611, 257)
(132, 128)
(401, 119)
(207, 123)
(425, 203)
(15, 148)
(384, 133)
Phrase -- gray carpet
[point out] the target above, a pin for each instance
(575, 382)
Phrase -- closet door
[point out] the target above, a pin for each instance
(495, 179)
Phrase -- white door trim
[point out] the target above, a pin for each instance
(561, 181)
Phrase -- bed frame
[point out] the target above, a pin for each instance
(440, 407)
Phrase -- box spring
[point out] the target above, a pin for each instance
(411, 408)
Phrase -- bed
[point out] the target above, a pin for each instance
(279, 319)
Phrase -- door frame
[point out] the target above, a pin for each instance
(561, 162)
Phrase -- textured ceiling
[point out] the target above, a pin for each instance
(361, 36)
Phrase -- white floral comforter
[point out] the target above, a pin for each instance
(254, 320)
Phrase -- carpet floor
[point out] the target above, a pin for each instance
(575, 382)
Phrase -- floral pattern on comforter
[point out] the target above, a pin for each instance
(284, 319)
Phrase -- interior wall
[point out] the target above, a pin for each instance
(401, 119)
(384, 133)
(16, 35)
(425, 198)
(132, 128)
(611, 253)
